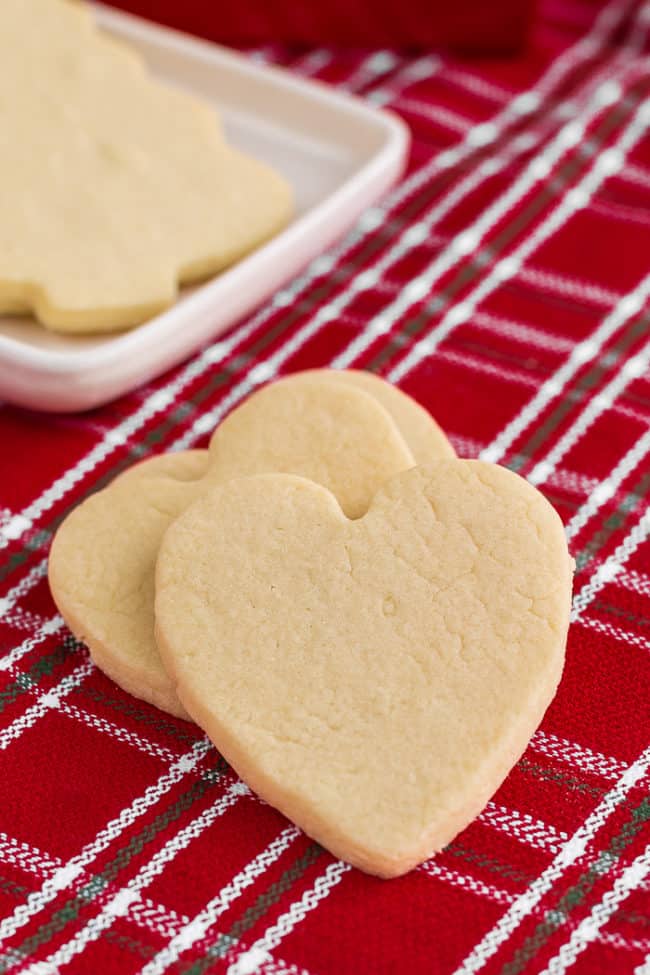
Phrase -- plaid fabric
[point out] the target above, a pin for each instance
(504, 284)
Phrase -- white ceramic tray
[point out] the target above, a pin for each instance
(338, 153)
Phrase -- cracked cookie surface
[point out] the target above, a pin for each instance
(376, 679)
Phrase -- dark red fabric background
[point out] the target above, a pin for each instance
(466, 24)
(503, 284)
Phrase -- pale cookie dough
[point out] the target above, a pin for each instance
(183, 465)
(113, 187)
(375, 680)
(417, 426)
(102, 561)
(422, 434)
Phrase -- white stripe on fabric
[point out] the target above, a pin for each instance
(616, 633)
(574, 200)
(26, 857)
(577, 756)
(121, 902)
(47, 628)
(632, 369)
(526, 902)
(321, 888)
(635, 581)
(441, 115)
(22, 619)
(71, 870)
(584, 292)
(313, 62)
(414, 70)
(526, 334)
(523, 827)
(118, 733)
(627, 307)
(469, 240)
(466, 882)
(635, 173)
(488, 90)
(617, 940)
(156, 918)
(33, 577)
(477, 364)
(610, 568)
(199, 926)
(146, 913)
(644, 967)
(371, 68)
(46, 701)
(276, 966)
(621, 212)
(588, 929)
(608, 487)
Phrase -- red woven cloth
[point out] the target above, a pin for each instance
(503, 284)
(466, 24)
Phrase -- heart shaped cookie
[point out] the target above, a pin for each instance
(182, 465)
(422, 434)
(102, 561)
(376, 679)
(113, 187)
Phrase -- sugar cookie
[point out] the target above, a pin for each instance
(103, 556)
(417, 426)
(113, 186)
(182, 465)
(375, 680)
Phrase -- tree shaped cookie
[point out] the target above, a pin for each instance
(114, 188)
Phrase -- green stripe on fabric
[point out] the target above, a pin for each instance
(72, 908)
(153, 717)
(614, 522)
(577, 893)
(490, 863)
(253, 914)
(134, 945)
(43, 667)
(585, 385)
(623, 614)
(569, 782)
(520, 223)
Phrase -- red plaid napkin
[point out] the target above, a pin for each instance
(504, 284)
